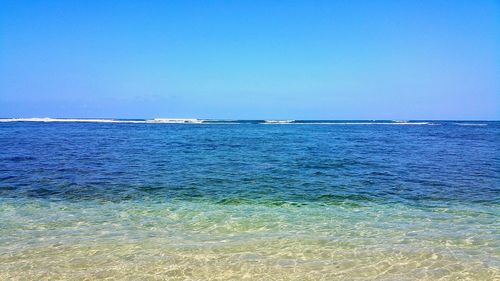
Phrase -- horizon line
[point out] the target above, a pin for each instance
(227, 119)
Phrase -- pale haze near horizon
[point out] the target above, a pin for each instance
(250, 59)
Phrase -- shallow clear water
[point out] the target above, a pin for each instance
(249, 201)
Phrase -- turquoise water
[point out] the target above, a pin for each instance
(85, 201)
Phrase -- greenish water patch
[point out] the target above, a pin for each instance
(144, 238)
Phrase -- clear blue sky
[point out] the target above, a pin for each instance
(250, 59)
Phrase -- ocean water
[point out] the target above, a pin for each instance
(243, 200)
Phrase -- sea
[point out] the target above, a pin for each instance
(172, 199)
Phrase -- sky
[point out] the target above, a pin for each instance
(251, 59)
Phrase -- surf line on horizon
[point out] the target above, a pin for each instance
(213, 121)
(93, 120)
(305, 122)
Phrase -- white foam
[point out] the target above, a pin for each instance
(68, 120)
(471, 124)
(156, 120)
(175, 120)
(363, 123)
(279, 121)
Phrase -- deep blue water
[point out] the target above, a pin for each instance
(415, 164)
